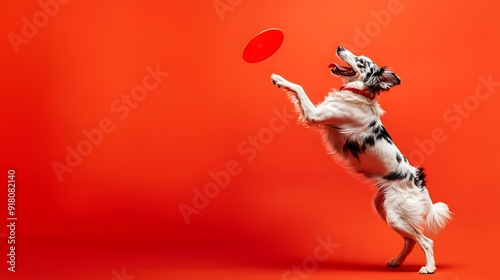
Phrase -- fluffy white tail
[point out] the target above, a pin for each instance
(439, 214)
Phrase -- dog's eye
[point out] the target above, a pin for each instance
(360, 62)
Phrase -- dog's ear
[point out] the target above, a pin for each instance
(381, 79)
(388, 79)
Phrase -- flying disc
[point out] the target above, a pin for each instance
(263, 45)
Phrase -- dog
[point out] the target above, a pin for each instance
(349, 120)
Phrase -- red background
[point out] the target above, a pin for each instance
(119, 207)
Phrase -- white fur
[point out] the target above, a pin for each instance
(345, 116)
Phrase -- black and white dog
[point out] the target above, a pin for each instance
(349, 120)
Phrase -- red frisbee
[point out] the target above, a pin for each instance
(263, 45)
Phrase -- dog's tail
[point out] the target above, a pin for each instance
(438, 216)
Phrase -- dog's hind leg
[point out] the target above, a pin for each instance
(407, 248)
(403, 226)
(427, 246)
(409, 243)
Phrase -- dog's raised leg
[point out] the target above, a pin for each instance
(307, 110)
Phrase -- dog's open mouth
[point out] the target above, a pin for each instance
(340, 70)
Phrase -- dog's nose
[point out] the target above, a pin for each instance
(340, 49)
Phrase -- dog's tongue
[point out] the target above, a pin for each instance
(340, 67)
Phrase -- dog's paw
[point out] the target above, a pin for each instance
(427, 270)
(394, 263)
(278, 80)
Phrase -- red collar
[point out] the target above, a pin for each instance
(365, 93)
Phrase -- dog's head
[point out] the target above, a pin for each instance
(363, 69)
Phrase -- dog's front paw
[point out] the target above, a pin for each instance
(278, 80)
(427, 270)
(284, 84)
(394, 263)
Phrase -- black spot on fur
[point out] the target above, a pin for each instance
(368, 76)
(398, 158)
(419, 178)
(386, 135)
(370, 140)
(354, 148)
(372, 124)
(380, 71)
(395, 175)
(381, 133)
